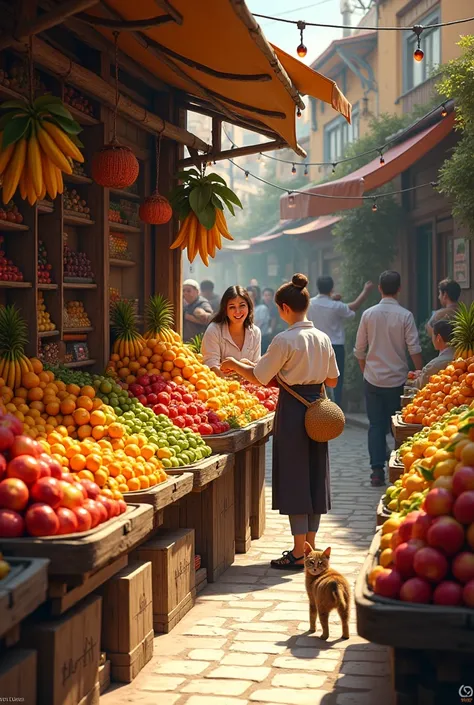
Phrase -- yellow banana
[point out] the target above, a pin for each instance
(42, 194)
(22, 184)
(30, 191)
(192, 238)
(29, 363)
(17, 374)
(14, 169)
(202, 244)
(49, 147)
(183, 232)
(11, 375)
(23, 364)
(5, 156)
(222, 225)
(49, 175)
(34, 164)
(2, 367)
(116, 346)
(59, 180)
(65, 144)
(211, 244)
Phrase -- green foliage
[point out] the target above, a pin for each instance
(427, 350)
(456, 178)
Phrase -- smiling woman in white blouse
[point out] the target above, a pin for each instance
(232, 332)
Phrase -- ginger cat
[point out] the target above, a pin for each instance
(327, 590)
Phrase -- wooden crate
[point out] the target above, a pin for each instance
(257, 490)
(124, 668)
(18, 676)
(395, 467)
(401, 624)
(234, 441)
(242, 489)
(164, 494)
(382, 513)
(22, 591)
(209, 510)
(401, 431)
(68, 654)
(77, 554)
(92, 697)
(201, 580)
(104, 674)
(171, 554)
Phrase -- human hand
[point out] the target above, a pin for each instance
(199, 313)
(368, 286)
(336, 297)
(228, 365)
(248, 362)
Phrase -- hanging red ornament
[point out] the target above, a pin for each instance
(418, 54)
(301, 49)
(156, 209)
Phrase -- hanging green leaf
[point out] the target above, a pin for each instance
(216, 201)
(46, 100)
(188, 174)
(5, 119)
(215, 177)
(194, 199)
(15, 130)
(204, 196)
(61, 110)
(76, 140)
(9, 104)
(71, 127)
(228, 195)
(207, 217)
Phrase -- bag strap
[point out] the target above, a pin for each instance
(297, 396)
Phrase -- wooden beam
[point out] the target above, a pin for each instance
(216, 136)
(168, 7)
(125, 25)
(202, 108)
(246, 17)
(55, 16)
(87, 81)
(234, 153)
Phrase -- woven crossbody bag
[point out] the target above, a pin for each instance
(324, 420)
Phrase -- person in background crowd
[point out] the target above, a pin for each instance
(304, 359)
(207, 290)
(253, 282)
(449, 293)
(261, 314)
(197, 311)
(328, 314)
(232, 332)
(385, 332)
(268, 296)
(441, 337)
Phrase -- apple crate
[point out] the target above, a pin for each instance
(395, 467)
(402, 431)
(18, 676)
(382, 513)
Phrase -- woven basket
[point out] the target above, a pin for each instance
(324, 420)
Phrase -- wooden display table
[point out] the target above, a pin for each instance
(22, 591)
(209, 510)
(395, 467)
(248, 445)
(402, 431)
(162, 495)
(382, 513)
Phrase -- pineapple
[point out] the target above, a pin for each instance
(13, 338)
(129, 342)
(159, 319)
(463, 331)
(195, 343)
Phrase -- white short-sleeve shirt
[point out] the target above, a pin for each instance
(217, 344)
(329, 316)
(301, 355)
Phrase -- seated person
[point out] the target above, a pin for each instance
(441, 336)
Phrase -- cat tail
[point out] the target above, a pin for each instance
(339, 592)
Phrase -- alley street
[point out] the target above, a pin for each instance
(246, 640)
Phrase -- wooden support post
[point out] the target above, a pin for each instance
(257, 496)
(216, 135)
(233, 153)
(243, 473)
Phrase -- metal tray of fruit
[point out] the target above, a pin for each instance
(165, 493)
(22, 590)
(406, 624)
(80, 553)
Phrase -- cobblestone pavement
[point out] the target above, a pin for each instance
(246, 640)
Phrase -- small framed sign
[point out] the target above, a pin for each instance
(462, 262)
(81, 351)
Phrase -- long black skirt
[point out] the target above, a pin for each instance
(300, 468)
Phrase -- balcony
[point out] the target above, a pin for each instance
(420, 95)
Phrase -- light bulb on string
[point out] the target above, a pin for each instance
(418, 54)
(334, 168)
(306, 172)
(374, 206)
(259, 158)
(298, 112)
(291, 200)
(293, 169)
(246, 176)
(301, 49)
(382, 160)
(444, 112)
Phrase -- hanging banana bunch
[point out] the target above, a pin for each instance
(38, 141)
(199, 202)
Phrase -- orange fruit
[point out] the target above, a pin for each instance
(123, 487)
(30, 380)
(36, 364)
(118, 444)
(68, 406)
(37, 405)
(73, 389)
(127, 472)
(88, 391)
(132, 450)
(34, 394)
(133, 484)
(115, 469)
(116, 430)
(105, 444)
(167, 366)
(100, 477)
(107, 493)
(147, 452)
(86, 475)
(97, 403)
(85, 402)
(93, 462)
(97, 418)
(77, 462)
(84, 431)
(144, 482)
(52, 408)
(81, 416)
(85, 447)
(124, 372)
(98, 432)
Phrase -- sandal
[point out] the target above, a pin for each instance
(287, 562)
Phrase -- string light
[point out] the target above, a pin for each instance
(301, 49)
(298, 112)
(291, 200)
(306, 172)
(259, 157)
(334, 168)
(382, 160)
(374, 206)
(293, 170)
(246, 176)
(444, 112)
(418, 54)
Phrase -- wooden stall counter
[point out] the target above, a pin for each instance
(23, 590)
(162, 495)
(402, 431)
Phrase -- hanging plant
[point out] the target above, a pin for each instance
(38, 141)
(199, 202)
(115, 165)
(156, 209)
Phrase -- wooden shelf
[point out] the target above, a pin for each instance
(7, 225)
(45, 207)
(15, 285)
(121, 263)
(81, 363)
(48, 333)
(120, 228)
(76, 179)
(71, 285)
(70, 219)
(88, 329)
(47, 287)
(81, 117)
(122, 193)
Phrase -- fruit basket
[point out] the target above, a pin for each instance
(402, 430)
(22, 591)
(395, 467)
(164, 494)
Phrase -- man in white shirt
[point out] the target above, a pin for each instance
(329, 314)
(383, 361)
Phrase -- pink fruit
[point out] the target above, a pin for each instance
(44, 468)
(47, 491)
(122, 505)
(404, 556)
(463, 480)
(431, 564)
(388, 583)
(468, 594)
(12, 424)
(416, 590)
(438, 501)
(448, 593)
(447, 534)
(13, 494)
(84, 519)
(463, 508)
(91, 488)
(55, 467)
(24, 467)
(41, 520)
(93, 510)
(107, 504)
(463, 567)
(421, 526)
(6, 438)
(73, 496)
(395, 540)
(103, 513)
(12, 524)
(470, 535)
(24, 445)
(67, 521)
(3, 466)
(406, 527)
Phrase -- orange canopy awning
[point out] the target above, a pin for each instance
(217, 57)
(346, 193)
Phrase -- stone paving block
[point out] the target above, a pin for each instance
(261, 627)
(252, 604)
(294, 606)
(207, 631)
(195, 642)
(242, 659)
(211, 621)
(380, 655)
(262, 636)
(188, 668)
(206, 654)
(364, 668)
(359, 682)
(206, 700)
(292, 616)
(237, 577)
(305, 664)
(217, 687)
(154, 682)
(239, 614)
(298, 680)
(253, 673)
(257, 647)
(288, 696)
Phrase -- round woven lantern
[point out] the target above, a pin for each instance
(155, 210)
(115, 166)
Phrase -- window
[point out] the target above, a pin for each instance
(417, 72)
(338, 134)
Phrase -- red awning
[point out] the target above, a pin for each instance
(330, 197)
(313, 227)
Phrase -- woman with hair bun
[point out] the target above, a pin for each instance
(304, 359)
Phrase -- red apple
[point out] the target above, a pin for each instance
(12, 424)
(24, 467)
(404, 556)
(448, 593)
(463, 566)
(468, 594)
(470, 535)
(463, 508)
(24, 445)
(13, 494)
(107, 504)
(122, 505)
(431, 564)
(406, 527)
(438, 501)
(41, 520)
(160, 409)
(84, 518)
(388, 583)
(73, 496)
(47, 491)
(421, 526)
(463, 480)
(205, 429)
(103, 513)
(81, 488)
(3, 466)
(44, 468)
(416, 590)
(55, 467)
(91, 488)
(68, 477)
(152, 399)
(12, 524)
(93, 510)
(447, 534)
(67, 521)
